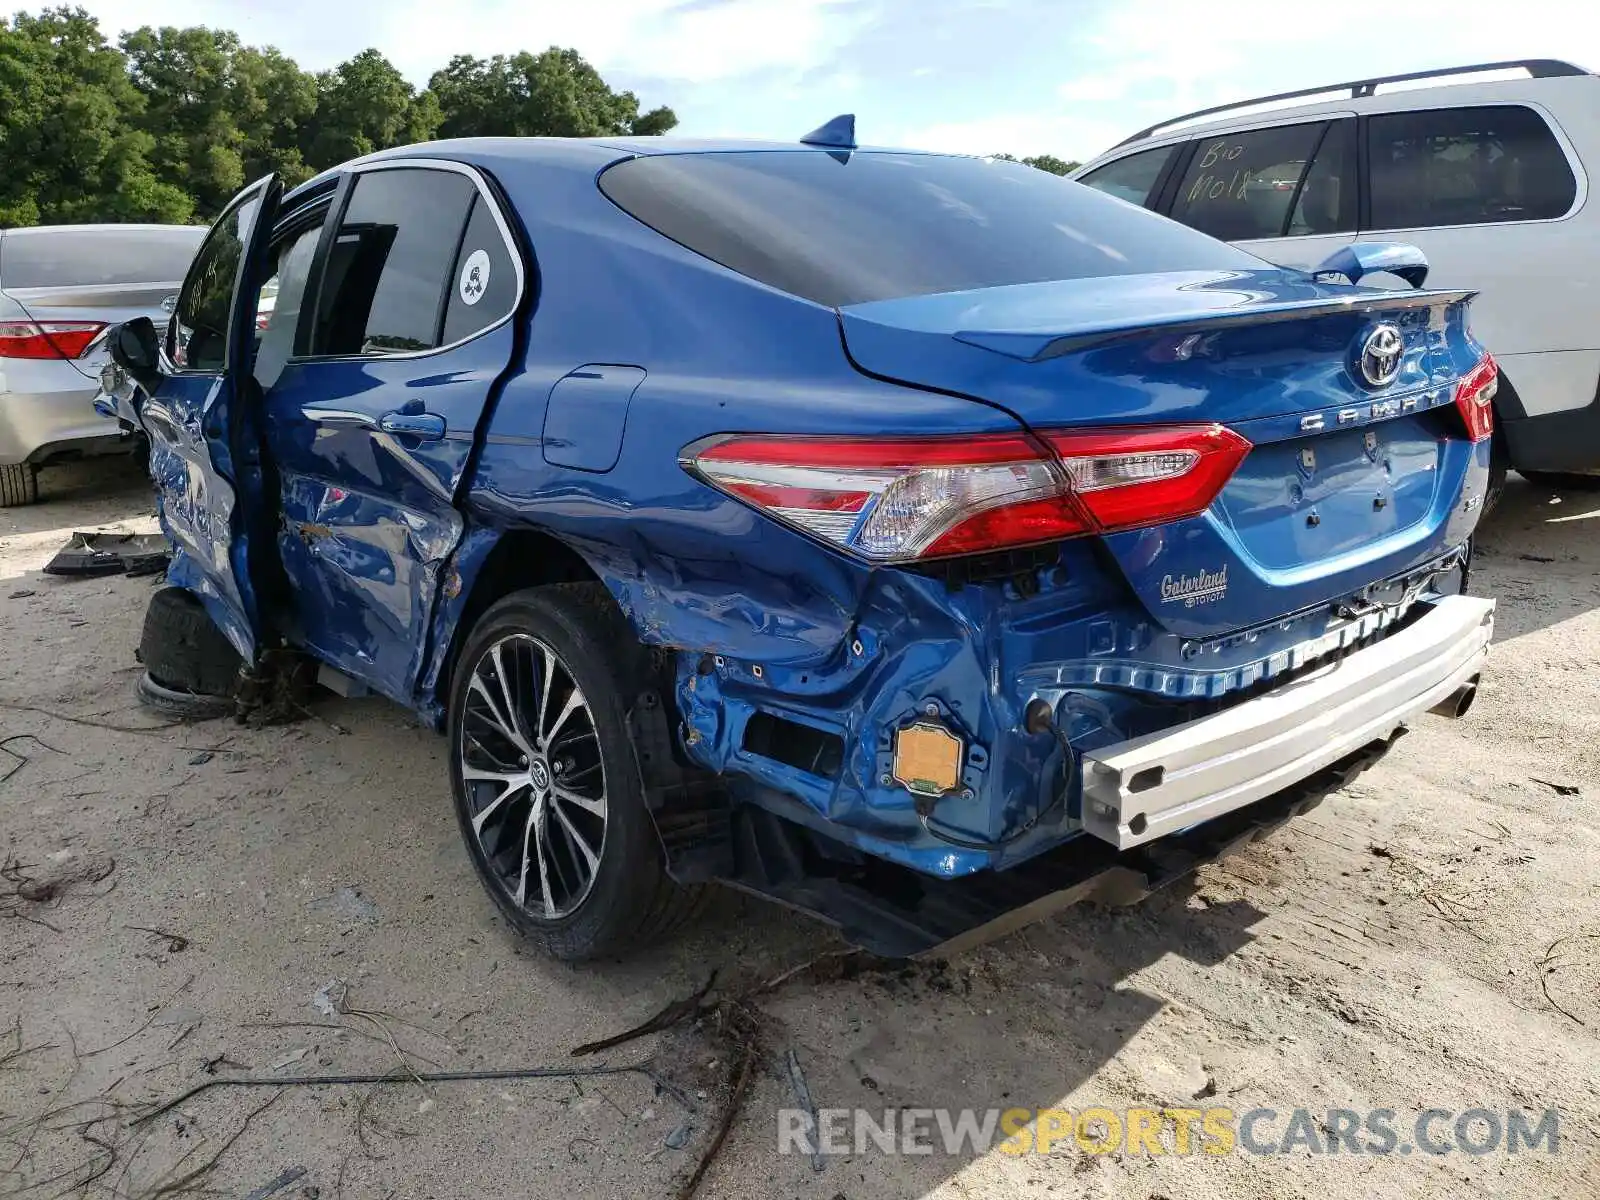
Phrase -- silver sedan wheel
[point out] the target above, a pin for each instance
(535, 785)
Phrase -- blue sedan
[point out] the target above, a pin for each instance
(921, 541)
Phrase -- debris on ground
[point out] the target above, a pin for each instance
(1560, 789)
(679, 1137)
(346, 904)
(329, 998)
(30, 892)
(274, 1186)
(176, 942)
(91, 554)
(734, 1021)
(288, 1060)
(802, 1096)
(1552, 961)
(17, 758)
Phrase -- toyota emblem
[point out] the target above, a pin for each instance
(1381, 354)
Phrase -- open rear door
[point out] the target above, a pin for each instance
(201, 433)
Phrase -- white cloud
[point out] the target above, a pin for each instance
(1021, 134)
(714, 43)
(693, 42)
(1024, 76)
(1157, 59)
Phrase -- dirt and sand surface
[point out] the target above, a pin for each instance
(178, 903)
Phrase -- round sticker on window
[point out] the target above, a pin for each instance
(474, 277)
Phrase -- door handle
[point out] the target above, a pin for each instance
(429, 426)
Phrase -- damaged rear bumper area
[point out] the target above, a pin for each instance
(964, 731)
(896, 912)
(1153, 786)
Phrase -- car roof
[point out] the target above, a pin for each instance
(1539, 78)
(606, 149)
(591, 154)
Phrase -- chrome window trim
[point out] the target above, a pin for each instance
(487, 196)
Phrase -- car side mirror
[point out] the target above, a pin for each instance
(1365, 258)
(136, 348)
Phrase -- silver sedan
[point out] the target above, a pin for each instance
(62, 288)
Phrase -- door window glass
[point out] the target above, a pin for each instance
(389, 265)
(200, 322)
(1130, 178)
(279, 302)
(1327, 201)
(483, 284)
(1466, 166)
(1241, 185)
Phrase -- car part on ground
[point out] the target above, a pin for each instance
(844, 532)
(111, 554)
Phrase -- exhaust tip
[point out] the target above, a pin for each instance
(1456, 704)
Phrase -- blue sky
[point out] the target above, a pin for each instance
(1068, 77)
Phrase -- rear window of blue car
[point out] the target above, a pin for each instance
(845, 229)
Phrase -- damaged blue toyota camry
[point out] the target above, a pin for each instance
(923, 542)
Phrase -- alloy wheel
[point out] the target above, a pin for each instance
(529, 756)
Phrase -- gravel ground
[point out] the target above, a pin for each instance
(175, 898)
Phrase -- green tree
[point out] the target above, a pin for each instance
(554, 94)
(273, 101)
(1044, 162)
(187, 79)
(169, 123)
(363, 105)
(66, 153)
(1049, 162)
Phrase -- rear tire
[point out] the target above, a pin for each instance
(19, 485)
(1563, 481)
(183, 650)
(547, 787)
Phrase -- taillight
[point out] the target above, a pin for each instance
(47, 339)
(1475, 395)
(899, 499)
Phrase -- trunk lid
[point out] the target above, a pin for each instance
(1353, 476)
(109, 304)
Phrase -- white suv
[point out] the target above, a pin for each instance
(1484, 171)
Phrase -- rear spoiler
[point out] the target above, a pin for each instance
(1035, 346)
